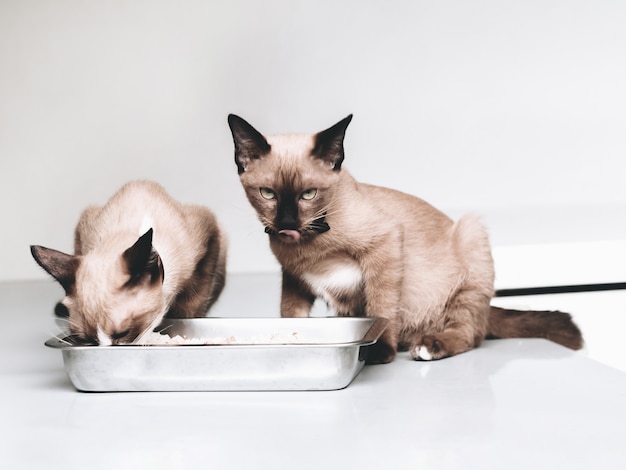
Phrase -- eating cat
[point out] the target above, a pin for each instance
(369, 250)
(136, 259)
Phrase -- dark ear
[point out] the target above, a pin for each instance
(329, 143)
(143, 262)
(249, 143)
(60, 266)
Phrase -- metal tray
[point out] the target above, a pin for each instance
(328, 355)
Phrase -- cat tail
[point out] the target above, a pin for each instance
(555, 326)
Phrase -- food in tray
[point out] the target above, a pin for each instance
(158, 339)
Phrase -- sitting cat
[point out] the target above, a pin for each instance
(368, 250)
(137, 258)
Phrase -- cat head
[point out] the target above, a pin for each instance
(290, 179)
(111, 298)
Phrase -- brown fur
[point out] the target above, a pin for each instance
(555, 326)
(137, 258)
(368, 250)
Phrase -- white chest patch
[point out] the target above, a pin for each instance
(344, 278)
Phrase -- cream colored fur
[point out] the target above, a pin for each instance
(386, 254)
(368, 250)
(101, 301)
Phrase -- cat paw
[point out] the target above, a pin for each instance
(421, 353)
(428, 348)
(380, 353)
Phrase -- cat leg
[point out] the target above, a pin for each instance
(383, 275)
(296, 299)
(384, 350)
(206, 283)
(204, 288)
(462, 322)
(464, 327)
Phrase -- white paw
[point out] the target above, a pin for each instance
(421, 352)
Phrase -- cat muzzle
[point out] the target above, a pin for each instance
(318, 226)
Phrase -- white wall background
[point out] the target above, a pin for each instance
(481, 105)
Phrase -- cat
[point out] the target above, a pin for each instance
(139, 257)
(369, 250)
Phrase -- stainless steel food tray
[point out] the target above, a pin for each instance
(328, 355)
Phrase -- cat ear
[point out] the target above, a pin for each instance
(142, 261)
(329, 143)
(60, 266)
(249, 143)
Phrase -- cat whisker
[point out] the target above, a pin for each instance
(317, 222)
(153, 327)
(63, 323)
(63, 338)
(139, 340)
(325, 211)
(322, 212)
(163, 329)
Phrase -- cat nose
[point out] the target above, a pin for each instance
(287, 224)
(287, 216)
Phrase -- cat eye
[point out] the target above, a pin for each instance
(308, 194)
(120, 335)
(267, 193)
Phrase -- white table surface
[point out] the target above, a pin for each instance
(556, 246)
(508, 404)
